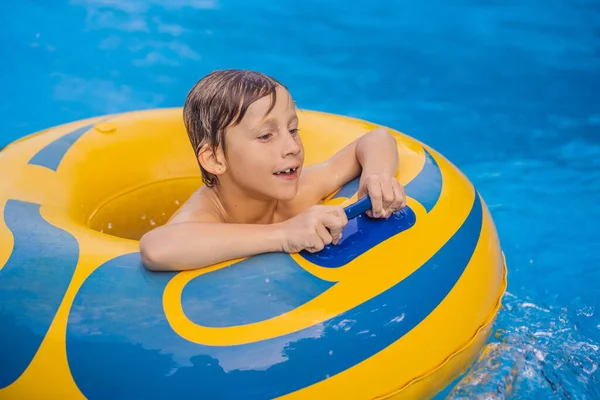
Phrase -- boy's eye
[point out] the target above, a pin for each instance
(294, 131)
(265, 136)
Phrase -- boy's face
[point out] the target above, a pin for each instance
(264, 152)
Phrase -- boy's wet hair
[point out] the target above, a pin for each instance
(219, 101)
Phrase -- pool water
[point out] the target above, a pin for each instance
(508, 91)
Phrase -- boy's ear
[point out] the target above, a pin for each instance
(211, 159)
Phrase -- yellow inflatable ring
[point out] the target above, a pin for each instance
(399, 310)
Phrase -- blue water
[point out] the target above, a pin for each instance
(508, 91)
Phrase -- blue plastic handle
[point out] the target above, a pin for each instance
(355, 209)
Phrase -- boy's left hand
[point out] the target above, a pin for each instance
(386, 194)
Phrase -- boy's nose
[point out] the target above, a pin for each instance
(291, 146)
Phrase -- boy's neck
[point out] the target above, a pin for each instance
(241, 208)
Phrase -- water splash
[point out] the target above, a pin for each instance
(536, 352)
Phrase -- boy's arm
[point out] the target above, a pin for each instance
(180, 246)
(373, 157)
(190, 245)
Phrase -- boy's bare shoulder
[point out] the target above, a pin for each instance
(320, 180)
(200, 207)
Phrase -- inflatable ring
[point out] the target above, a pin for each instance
(400, 308)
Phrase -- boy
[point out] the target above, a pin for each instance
(257, 197)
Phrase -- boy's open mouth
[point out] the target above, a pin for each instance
(288, 171)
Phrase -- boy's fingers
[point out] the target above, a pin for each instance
(374, 189)
(335, 224)
(338, 211)
(388, 194)
(324, 234)
(399, 197)
(338, 238)
(336, 235)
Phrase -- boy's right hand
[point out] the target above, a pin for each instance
(313, 229)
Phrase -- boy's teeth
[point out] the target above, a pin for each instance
(285, 171)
